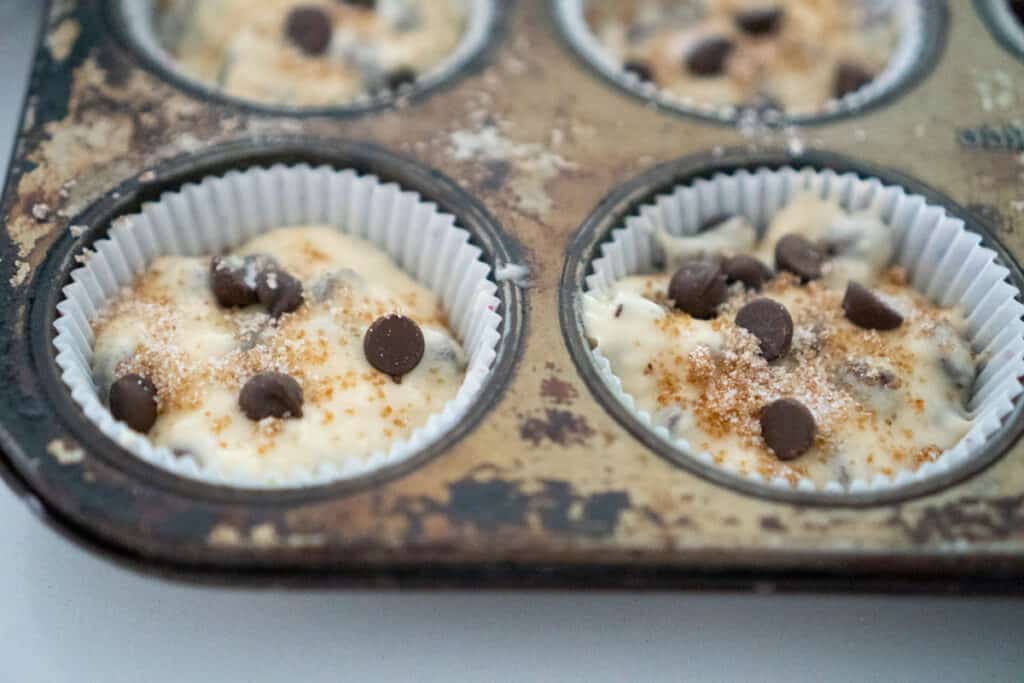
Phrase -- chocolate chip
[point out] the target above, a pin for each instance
(866, 374)
(850, 78)
(229, 282)
(394, 345)
(400, 77)
(639, 69)
(800, 257)
(787, 426)
(746, 269)
(864, 309)
(760, 21)
(771, 323)
(271, 394)
(707, 58)
(278, 291)
(133, 401)
(698, 288)
(714, 221)
(309, 28)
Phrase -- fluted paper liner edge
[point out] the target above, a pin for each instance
(218, 213)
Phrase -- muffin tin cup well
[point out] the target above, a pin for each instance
(220, 212)
(547, 480)
(135, 21)
(1006, 28)
(944, 259)
(921, 41)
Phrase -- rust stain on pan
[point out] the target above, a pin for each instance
(965, 519)
(116, 118)
(489, 503)
(560, 427)
(557, 391)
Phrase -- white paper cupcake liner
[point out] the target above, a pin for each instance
(944, 260)
(914, 37)
(140, 19)
(221, 212)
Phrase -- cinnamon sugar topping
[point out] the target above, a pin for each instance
(169, 327)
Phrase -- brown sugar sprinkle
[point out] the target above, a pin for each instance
(737, 383)
(313, 254)
(270, 426)
(286, 345)
(927, 454)
(181, 381)
(221, 424)
(726, 389)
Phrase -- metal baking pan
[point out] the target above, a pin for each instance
(546, 484)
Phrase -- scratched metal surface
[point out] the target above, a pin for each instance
(546, 488)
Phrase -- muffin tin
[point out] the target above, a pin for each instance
(545, 482)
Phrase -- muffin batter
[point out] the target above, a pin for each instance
(787, 55)
(266, 365)
(829, 367)
(310, 52)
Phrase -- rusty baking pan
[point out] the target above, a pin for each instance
(547, 480)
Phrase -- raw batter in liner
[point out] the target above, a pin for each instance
(882, 374)
(310, 52)
(789, 55)
(172, 329)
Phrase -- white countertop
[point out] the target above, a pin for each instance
(68, 616)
